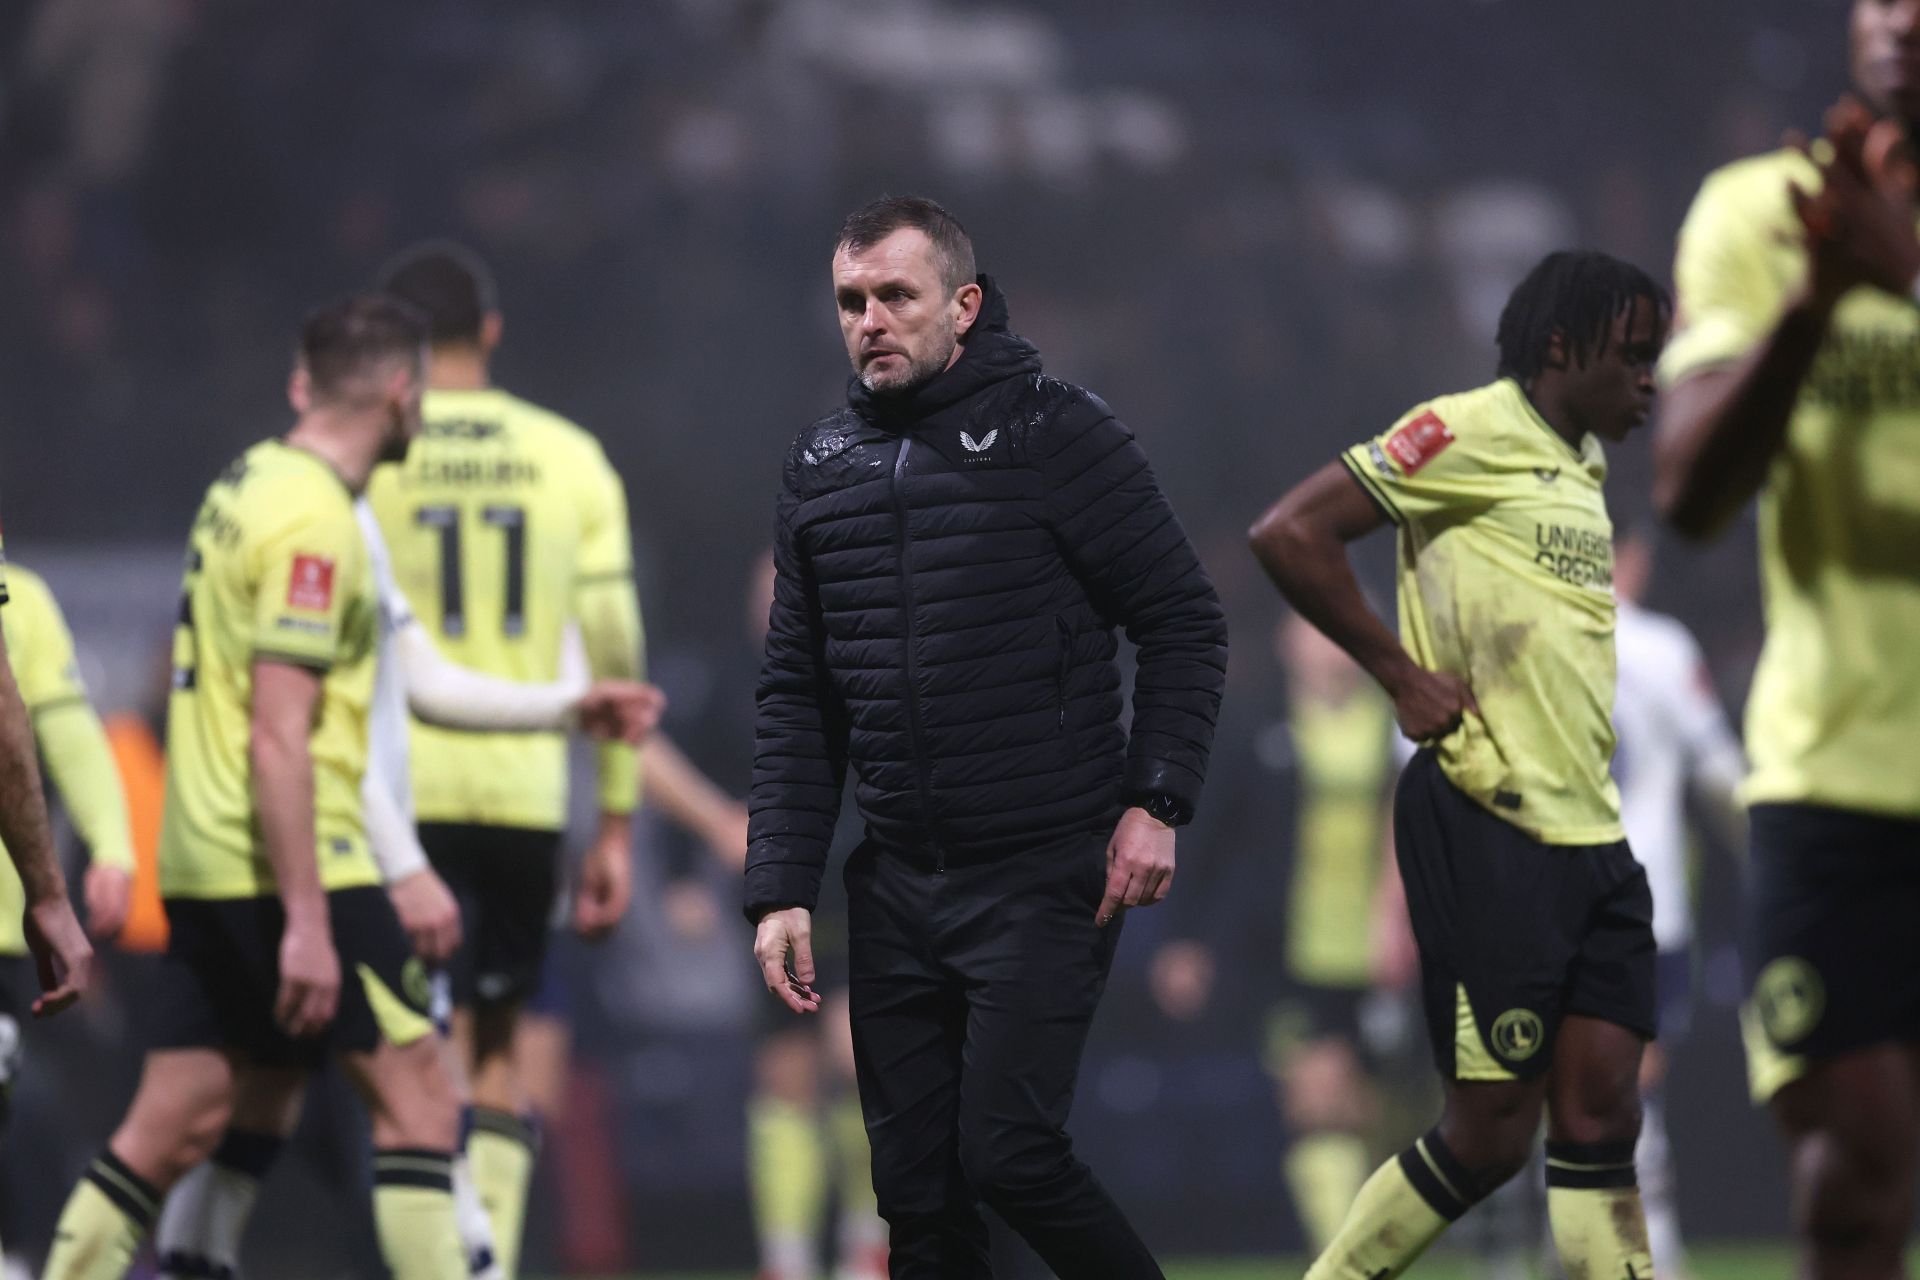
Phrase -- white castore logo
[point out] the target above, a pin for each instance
(971, 446)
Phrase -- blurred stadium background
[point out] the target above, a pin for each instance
(1258, 230)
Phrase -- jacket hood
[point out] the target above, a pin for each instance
(990, 353)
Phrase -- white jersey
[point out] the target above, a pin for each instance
(388, 783)
(1671, 729)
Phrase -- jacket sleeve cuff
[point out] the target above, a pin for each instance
(775, 886)
(1166, 778)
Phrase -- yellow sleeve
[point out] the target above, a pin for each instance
(68, 733)
(1423, 464)
(41, 648)
(608, 610)
(307, 573)
(1729, 284)
(79, 759)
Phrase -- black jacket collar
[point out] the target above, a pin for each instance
(990, 353)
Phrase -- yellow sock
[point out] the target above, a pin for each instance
(1325, 1172)
(1400, 1210)
(414, 1216)
(853, 1157)
(1594, 1207)
(108, 1214)
(788, 1171)
(500, 1151)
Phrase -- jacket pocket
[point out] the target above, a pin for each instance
(1063, 664)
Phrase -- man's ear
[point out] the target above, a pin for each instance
(300, 389)
(1557, 350)
(490, 328)
(969, 298)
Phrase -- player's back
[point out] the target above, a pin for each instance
(1343, 760)
(501, 513)
(276, 570)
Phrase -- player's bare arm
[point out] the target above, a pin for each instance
(285, 702)
(60, 949)
(1301, 543)
(1721, 428)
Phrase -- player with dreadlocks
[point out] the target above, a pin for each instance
(1533, 920)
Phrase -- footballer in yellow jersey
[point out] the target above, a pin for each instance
(283, 945)
(506, 526)
(1336, 747)
(1795, 376)
(1532, 918)
(73, 747)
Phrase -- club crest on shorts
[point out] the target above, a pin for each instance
(1790, 999)
(1518, 1034)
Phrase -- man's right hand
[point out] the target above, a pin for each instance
(428, 913)
(1429, 704)
(623, 709)
(309, 977)
(61, 954)
(781, 932)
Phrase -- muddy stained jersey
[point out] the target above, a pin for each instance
(1506, 581)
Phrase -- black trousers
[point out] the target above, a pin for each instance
(973, 989)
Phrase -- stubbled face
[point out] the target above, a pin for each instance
(403, 391)
(1886, 56)
(901, 324)
(1611, 394)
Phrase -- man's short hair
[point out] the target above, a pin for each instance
(345, 340)
(447, 283)
(952, 247)
(1577, 294)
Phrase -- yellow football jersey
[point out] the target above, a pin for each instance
(1835, 707)
(69, 735)
(506, 524)
(276, 571)
(1506, 580)
(1343, 757)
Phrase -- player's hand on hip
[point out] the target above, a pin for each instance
(61, 954)
(429, 914)
(1139, 864)
(109, 894)
(782, 932)
(1859, 224)
(606, 880)
(309, 977)
(1430, 704)
(623, 709)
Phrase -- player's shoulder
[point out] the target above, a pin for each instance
(1755, 187)
(275, 489)
(25, 587)
(1476, 418)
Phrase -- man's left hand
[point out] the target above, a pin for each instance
(1139, 864)
(606, 880)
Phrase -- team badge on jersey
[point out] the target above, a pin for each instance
(310, 586)
(1419, 442)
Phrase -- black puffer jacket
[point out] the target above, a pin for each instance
(952, 564)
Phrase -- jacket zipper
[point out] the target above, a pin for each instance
(915, 731)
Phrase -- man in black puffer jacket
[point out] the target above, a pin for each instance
(954, 551)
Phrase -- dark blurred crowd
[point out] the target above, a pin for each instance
(1259, 231)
